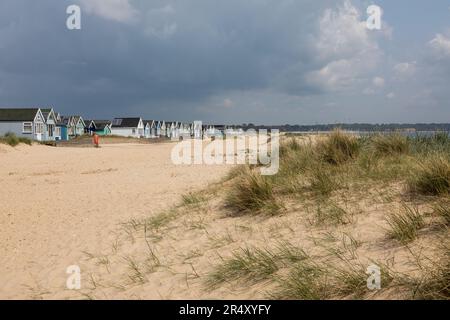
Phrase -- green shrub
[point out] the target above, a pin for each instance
(442, 209)
(390, 145)
(405, 225)
(12, 140)
(432, 176)
(252, 193)
(338, 148)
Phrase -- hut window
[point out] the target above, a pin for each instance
(39, 128)
(27, 127)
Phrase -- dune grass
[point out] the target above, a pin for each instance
(390, 145)
(252, 193)
(329, 212)
(312, 279)
(405, 225)
(13, 140)
(433, 282)
(436, 284)
(307, 280)
(192, 198)
(442, 210)
(423, 145)
(253, 265)
(318, 173)
(431, 176)
(338, 148)
(341, 161)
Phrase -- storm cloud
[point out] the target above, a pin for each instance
(261, 61)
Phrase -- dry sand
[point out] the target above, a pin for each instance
(56, 203)
(83, 206)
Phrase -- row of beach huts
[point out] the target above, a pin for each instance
(45, 124)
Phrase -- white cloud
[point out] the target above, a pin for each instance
(117, 10)
(228, 103)
(164, 32)
(368, 91)
(378, 82)
(391, 95)
(342, 33)
(440, 45)
(345, 48)
(159, 22)
(406, 69)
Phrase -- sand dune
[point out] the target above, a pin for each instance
(57, 203)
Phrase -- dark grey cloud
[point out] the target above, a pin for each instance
(257, 60)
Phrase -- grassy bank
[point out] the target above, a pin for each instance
(339, 206)
(12, 140)
(319, 174)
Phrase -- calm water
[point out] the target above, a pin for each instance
(370, 133)
(403, 133)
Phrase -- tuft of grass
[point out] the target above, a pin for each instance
(390, 145)
(136, 275)
(350, 280)
(322, 180)
(290, 145)
(338, 148)
(307, 280)
(436, 285)
(251, 265)
(432, 176)
(424, 144)
(329, 212)
(160, 220)
(252, 193)
(154, 222)
(236, 172)
(192, 199)
(12, 140)
(254, 265)
(434, 281)
(442, 209)
(289, 253)
(405, 225)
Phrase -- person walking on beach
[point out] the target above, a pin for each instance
(96, 140)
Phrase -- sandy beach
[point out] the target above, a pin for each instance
(140, 227)
(57, 203)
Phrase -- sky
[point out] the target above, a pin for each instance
(229, 61)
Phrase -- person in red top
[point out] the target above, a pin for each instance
(96, 141)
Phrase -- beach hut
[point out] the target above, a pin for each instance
(62, 134)
(79, 125)
(58, 127)
(150, 130)
(50, 124)
(128, 127)
(176, 130)
(75, 125)
(185, 130)
(171, 129)
(197, 130)
(23, 122)
(102, 127)
(90, 127)
(163, 129)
